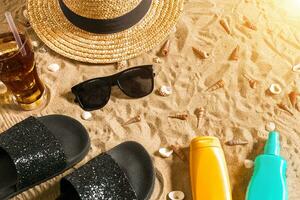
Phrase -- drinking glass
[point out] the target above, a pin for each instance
(18, 68)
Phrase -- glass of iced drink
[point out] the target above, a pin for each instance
(18, 69)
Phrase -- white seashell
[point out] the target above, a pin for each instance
(86, 115)
(42, 50)
(165, 152)
(270, 126)
(25, 14)
(275, 88)
(296, 68)
(176, 195)
(35, 43)
(165, 91)
(248, 163)
(54, 67)
(157, 60)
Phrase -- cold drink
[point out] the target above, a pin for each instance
(18, 71)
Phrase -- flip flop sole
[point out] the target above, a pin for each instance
(136, 163)
(75, 143)
(124, 172)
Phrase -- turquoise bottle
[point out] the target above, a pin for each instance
(269, 178)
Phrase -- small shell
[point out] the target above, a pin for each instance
(252, 82)
(275, 88)
(201, 54)
(166, 48)
(293, 98)
(42, 50)
(35, 44)
(122, 64)
(217, 85)
(86, 115)
(165, 91)
(248, 163)
(179, 116)
(236, 142)
(133, 120)
(296, 68)
(200, 112)
(235, 54)
(176, 195)
(178, 151)
(157, 60)
(25, 14)
(165, 152)
(249, 24)
(54, 67)
(285, 108)
(225, 25)
(270, 126)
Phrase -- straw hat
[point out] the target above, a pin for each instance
(103, 31)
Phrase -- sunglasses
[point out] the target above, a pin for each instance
(136, 82)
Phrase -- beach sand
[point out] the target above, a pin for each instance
(236, 111)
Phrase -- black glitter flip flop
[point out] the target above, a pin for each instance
(38, 149)
(125, 172)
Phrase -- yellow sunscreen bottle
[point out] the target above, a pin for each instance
(208, 170)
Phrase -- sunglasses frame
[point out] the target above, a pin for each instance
(111, 81)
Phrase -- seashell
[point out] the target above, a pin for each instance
(86, 115)
(297, 106)
(235, 54)
(200, 114)
(217, 85)
(296, 68)
(270, 126)
(201, 54)
(25, 14)
(248, 24)
(275, 88)
(165, 152)
(225, 25)
(176, 195)
(179, 116)
(133, 120)
(248, 163)
(178, 151)
(35, 43)
(122, 64)
(166, 48)
(42, 50)
(285, 108)
(236, 142)
(165, 91)
(293, 98)
(54, 67)
(157, 60)
(252, 82)
(174, 29)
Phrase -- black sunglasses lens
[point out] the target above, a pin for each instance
(137, 82)
(93, 94)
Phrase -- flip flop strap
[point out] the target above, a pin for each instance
(101, 179)
(35, 151)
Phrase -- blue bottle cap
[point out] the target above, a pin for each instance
(272, 145)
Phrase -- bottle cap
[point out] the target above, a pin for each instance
(272, 145)
(205, 141)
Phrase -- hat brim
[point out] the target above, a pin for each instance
(62, 36)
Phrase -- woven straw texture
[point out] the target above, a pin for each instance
(59, 34)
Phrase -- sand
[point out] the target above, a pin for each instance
(235, 111)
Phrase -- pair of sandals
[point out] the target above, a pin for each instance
(38, 149)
